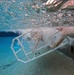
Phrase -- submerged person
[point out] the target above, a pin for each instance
(53, 2)
(45, 34)
(65, 31)
(57, 4)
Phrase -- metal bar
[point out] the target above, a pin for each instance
(18, 51)
(13, 50)
(23, 48)
(43, 53)
(22, 35)
(26, 54)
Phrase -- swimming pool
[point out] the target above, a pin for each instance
(12, 17)
(48, 64)
(5, 51)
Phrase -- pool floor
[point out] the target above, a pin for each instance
(50, 64)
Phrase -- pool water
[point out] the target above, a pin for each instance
(53, 63)
(6, 54)
(14, 15)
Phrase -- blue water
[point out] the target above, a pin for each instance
(15, 15)
(18, 15)
(50, 64)
(6, 54)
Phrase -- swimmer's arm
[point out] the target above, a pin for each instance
(58, 43)
(60, 40)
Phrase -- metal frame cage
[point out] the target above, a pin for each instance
(22, 48)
